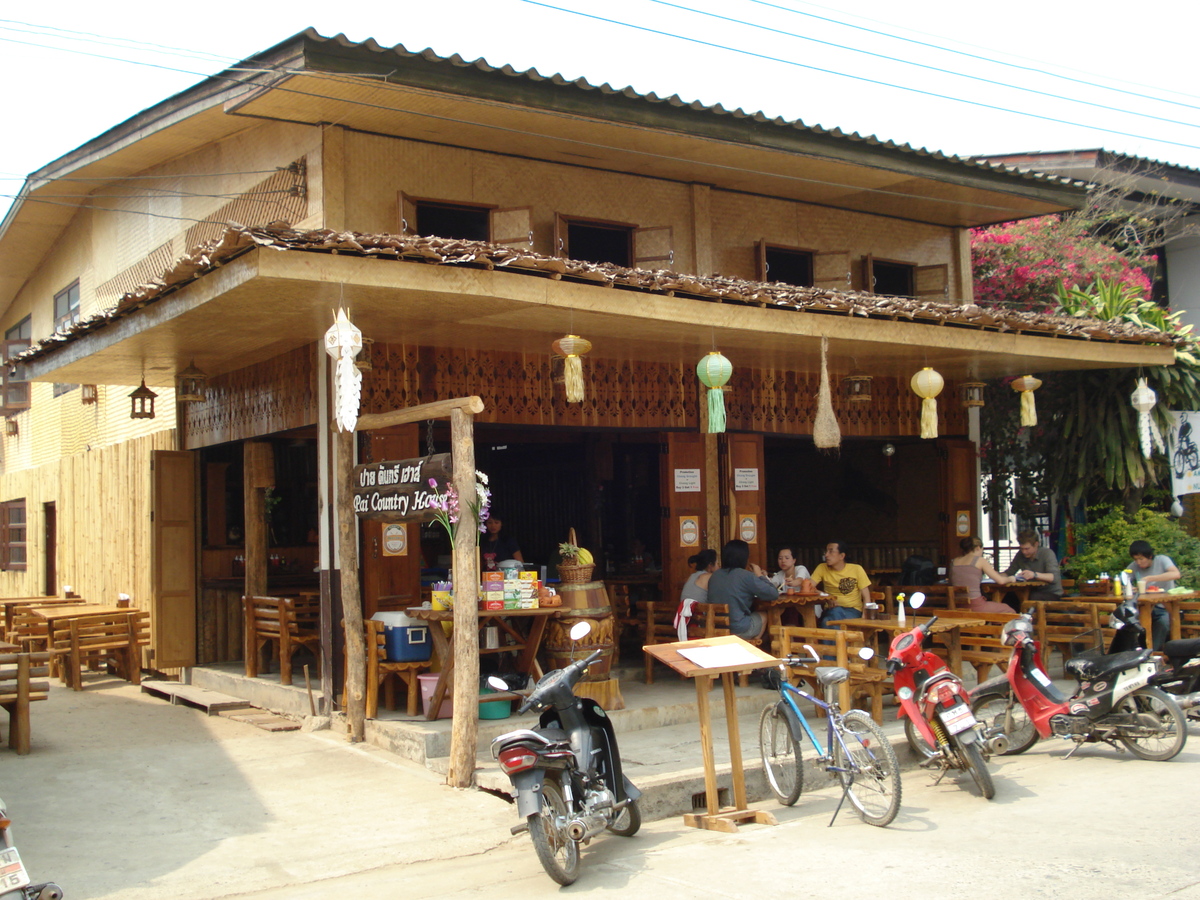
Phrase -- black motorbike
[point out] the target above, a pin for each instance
(1180, 672)
(566, 772)
(14, 880)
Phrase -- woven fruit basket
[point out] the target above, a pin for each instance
(570, 570)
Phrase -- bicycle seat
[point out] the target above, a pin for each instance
(832, 674)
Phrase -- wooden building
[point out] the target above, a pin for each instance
(468, 216)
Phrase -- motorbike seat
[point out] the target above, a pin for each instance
(1179, 653)
(828, 675)
(1095, 668)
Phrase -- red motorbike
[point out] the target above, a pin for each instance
(938, 721)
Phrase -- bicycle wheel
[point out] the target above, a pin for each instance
(1193, 459)
(872, 776)
(558, 854)
(780, 754)
(972, 758)
(1161, 729)
(1178, 461)
(999, 713)
(919, 745)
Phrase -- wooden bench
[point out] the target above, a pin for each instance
(105, 638)
(981, 644)
(937, 596)
(1189, 619)
(286, 622)
(1060, 623)
(835, 645)
(18, 690)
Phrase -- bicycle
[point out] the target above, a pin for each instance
(859, 753)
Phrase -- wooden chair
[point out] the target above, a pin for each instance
(1189, 618)
(937, 596)
(379, 670)
(104, 638)
(624, 619)
(1060, 623)
(18, 690)
(658, 627)
(278, 621)
(835, 646)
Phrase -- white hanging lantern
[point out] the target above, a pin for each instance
(1026, 385)
(927, 384)
(1143, 399)
(343, 341)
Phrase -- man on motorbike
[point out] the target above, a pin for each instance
(1159, 570)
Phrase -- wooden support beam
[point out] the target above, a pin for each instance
(466, 603)
(352, 615)
(437, 410)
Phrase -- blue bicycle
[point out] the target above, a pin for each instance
(859, 753)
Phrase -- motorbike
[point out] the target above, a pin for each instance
(1117, 700)
(14, 880)
(566, 773)
(938, 721)
(1179, 674)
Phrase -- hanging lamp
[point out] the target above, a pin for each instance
(142, 400)
(927, 384)
(1026, 385)
(972, 393)
(571, 347)
(1143, 399)
(827, 434)
(714, 370)
(190, 385)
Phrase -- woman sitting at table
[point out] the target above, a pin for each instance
(968, 570)
(738, 587)
(695, 589)
(790, 574)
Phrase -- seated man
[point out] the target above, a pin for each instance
(847, 582)
(1159, 570)
(1035, 564)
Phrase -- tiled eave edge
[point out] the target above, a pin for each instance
(442, 251)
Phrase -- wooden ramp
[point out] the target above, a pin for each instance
(212, 702)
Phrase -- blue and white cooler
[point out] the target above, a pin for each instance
(405, 639)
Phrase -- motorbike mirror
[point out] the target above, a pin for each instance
(497, 684)
(580, 630)
(812, 653)
(917, 600)
(865, 653)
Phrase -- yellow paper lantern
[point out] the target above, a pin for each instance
(571, 347)
(1026, 385)
(927, 384)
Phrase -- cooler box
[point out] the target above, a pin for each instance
(405, 639)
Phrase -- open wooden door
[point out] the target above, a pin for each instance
(959, 494)
(173, 558)
(683, 486)
(744, 490)
(391, 552)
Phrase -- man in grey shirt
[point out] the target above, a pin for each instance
(1162, 571)
(1035, 564)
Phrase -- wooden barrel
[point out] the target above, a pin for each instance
(582, 602)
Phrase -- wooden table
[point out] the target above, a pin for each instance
(995, 592)
(1146, 603)
(443, 654)
(804, 603)
(950, 627)
(717, 819)
(59, 618)
(11, 603)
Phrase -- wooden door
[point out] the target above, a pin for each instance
(50, 517)
(959, 494)
(682, 486)
(173, 558)
(391, 563)
(743, 484)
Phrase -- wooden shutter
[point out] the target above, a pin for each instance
(395, 578)
(13, 535)
(868, 274)
(653, 245)
(831, 270)
(513, 226)
(560, 248)
(173, 559)
(683, 454)
(408, 214)
(762, 271)
(932, 282)
(13, 382)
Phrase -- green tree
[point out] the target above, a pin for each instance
(1106, 539)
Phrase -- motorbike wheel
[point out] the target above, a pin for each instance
(874, 789)
(1162, 729)
(994, 711)
(780, 754)
(916, 741)
(628, 820)
(972, 758)
(558, 854)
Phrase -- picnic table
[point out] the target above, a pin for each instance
(950, 628)
(1146, 603)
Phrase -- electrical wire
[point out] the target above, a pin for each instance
(107, 40)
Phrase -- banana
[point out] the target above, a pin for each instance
(585, 557)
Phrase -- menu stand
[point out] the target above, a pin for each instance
(750, 658)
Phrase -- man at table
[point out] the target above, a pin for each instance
(1038, 565)
(1159, 570)
(847, 583)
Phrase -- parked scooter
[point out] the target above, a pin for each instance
(14, 880)
(566, 773)
(1116, 701)
(938, 721)
(1179, 675)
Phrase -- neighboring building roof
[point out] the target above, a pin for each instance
(1170, 179)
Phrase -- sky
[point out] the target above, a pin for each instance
(964, 79)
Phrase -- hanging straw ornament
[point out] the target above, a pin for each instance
(343, 341)
(571, 347)
(1143, 399)
(827, 435)
(927, 384)
(714, 370)
(1027, 384)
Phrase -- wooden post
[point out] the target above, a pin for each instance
(466, 605)
(255, 533)
(356, 644)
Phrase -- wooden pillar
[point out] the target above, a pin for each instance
(356, 642)
(258, 474)
(466, 604)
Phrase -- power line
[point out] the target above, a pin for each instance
(861, 78)
(110, 40)
(110, 178)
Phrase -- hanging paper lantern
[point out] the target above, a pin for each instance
(570, 347)
(343, 341)
(827, 434)
(927, 384)
(1027, 384)
(1143, 399)
(714, 370)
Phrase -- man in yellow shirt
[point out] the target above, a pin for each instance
(848, 583)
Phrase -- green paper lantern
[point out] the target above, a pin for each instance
(714, 370)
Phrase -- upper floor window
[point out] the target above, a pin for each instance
(66, 306)
(12, 534)
(786, 264)
(22, 331)
(598, 241)
(14, 388)
(448, 220)
(465, 221)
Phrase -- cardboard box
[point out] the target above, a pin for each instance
(529, 602)
(492, 602)
(492, 587)
(512, 604)
(528, 576)
(489, 577)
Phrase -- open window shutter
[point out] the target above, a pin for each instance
(761, 269)
(560, 248)
(513, 226)
(868, 273)
(932, 282)
(831, 271)
(408, 214)
(15, 387)
(653, 245)
(173, 558)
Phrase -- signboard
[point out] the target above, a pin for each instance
(395, 540)
(748, 528)
(399, 490)
(745, 479)
(687, 481)
(1183, 453)
(689, 531)
(962, 523)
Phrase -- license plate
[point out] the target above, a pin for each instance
(957, 718)
(12, 873)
